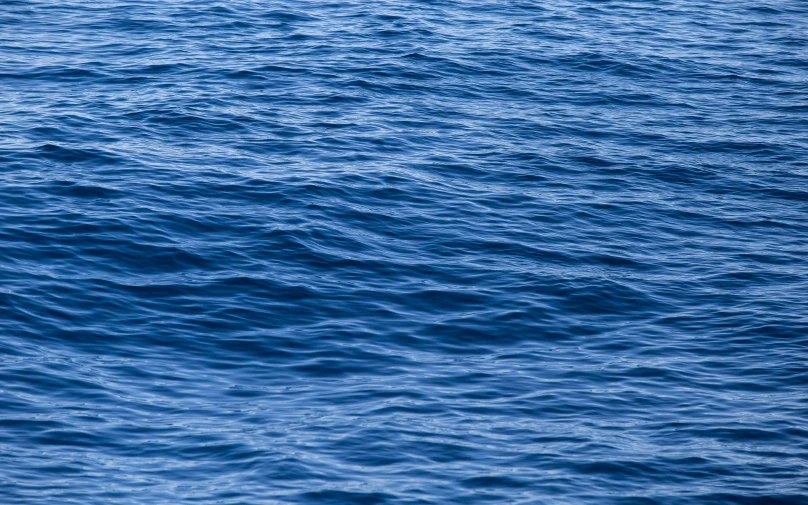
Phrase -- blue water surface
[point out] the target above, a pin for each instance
(404, 252)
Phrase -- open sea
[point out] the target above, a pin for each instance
(403, 252)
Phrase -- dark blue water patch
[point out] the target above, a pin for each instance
(404, 252)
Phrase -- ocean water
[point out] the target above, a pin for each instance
(404, 252)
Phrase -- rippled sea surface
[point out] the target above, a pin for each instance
(404, 252)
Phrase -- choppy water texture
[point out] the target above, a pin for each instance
(389, 252)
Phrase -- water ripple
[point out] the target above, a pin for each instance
(410, 253)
